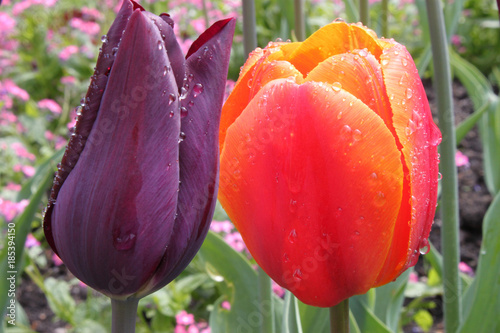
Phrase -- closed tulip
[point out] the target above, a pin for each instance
(135, 192)
(329, 163)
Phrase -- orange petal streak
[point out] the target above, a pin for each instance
(311, 177)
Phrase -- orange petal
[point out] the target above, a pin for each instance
(262, 72)
(359, 73)
(312, 178)
(419, 138)
(334, 38)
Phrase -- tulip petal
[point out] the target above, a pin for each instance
(419, 137)
(119, 201)
(88, 113)
(334, 38)
(324, 215)
(206, 73)
(262, 73)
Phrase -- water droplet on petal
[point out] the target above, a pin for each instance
(124, 242)
(171, 99)
(166, 69)
(336, 86)
(292, 237)
(356, 135)
(171, 113)
(339, 115)
(114, 50)
(297, 275)
(190, 77)
(160, 45)
(380, 199)
(424, 246)
(440, 176)
(285, 258)
(104, 38)
(293, 206)
(182, 137)
(363, 52)
(385, 62)
(404, 61)
(184, 112)
(409, 93)
(346, 132)
(197, 89)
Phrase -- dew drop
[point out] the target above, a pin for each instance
(363, 52)
(197, 89)
(410, 129)
(285, 258)
(171, 99)
(104, 38)
(114, 50)
(346, 132)
(336, 86)
(183, 93)
(250, 83)
(440, 176)
(409, 93)
(424, 247)
(292, 237)
(124, 242)
(184, 112)
(182, 137)
(171, 113)
(160, 45)
(297, 275)
(190, 77)
(380, 199)
(339, 115)
(166, 69)
(356, 135)
(293, 206)
(385, 62)
(404, 61)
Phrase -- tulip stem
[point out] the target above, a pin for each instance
(249, 32)
(339, 317)
(449, 197)
(123, 314)
(364, 12)
(266, 301)
(300, 24)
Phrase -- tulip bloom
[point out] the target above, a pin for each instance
(135, 192)
(329, 164)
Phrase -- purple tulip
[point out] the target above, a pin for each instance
(135, 192)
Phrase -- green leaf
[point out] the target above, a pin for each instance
(59, 298)
(238, 281)
(314, 319)
(291, 317)
(351, 11)
(389, 301)
(365, 318)
(466, 126)
(481, 313)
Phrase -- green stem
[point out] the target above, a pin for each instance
(265, 301)
(449, 198)
(364, 12)
(249, 32)
(385, 18)
(205, 14)
(339, 317)
(300, 24)
(123, 315)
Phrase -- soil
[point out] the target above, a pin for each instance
(474, 199)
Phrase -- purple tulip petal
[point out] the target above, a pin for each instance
(206, 72)
(119, 200)
(89, 111)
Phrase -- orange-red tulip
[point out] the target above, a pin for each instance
(329, 163)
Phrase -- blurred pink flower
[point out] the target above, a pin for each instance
(226, 305)
(180, 329)
(89, 28)
(278, 290)
(31, 241)
(184, 318)
(461, 159)
(67, 52)
(7, 117)
(20, 7)
(235, 241)
(50, 105)
(68, 80)
(413, 277)
(198, 25)
(91, 13)
(13, 187)
(7, 23)
(21, 151)
(10, 87)
(222, 226)
(193, 329)
(464, 268)
(57, 261)
(456, 40)
(10, 209)
(28, 170)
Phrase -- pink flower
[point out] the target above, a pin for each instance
(28, 170)
(21, 151)
(11, 209)
(31, 241)
(68, 80)
(235, 241)
(461, 159)
(92, 13)
(184, 318)
(278, 290)
(51, 105)
(57, 261)
(193, 329)
(464, 268)
(89, 28)
(67, 52)
(226, 305)
(180, 329)
(413, 277)
(10, 87)
(13, 187)
(20, 7)
(223, 226)
(7, 23)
